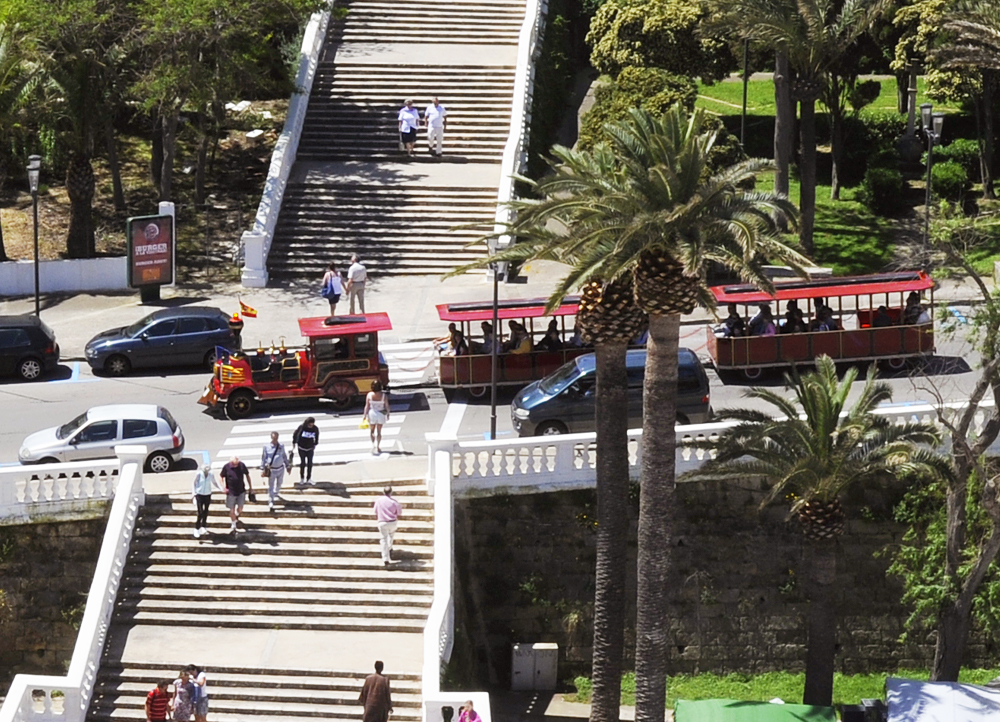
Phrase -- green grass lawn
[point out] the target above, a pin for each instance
(727, 98)
(847, 688)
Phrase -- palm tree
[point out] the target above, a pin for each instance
(647, 207)
(17, 80)
(813, 35)
(812, 453)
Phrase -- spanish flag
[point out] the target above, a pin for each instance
(248, 311)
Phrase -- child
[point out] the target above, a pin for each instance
(467, 714)
(157, 702)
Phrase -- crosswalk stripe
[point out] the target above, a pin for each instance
(320, 457)
(266, 438)
(408, 362)
(287, 423)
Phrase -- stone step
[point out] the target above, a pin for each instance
(178, 616)
(261, 542)
(317, 183)
(285, 536)
(184, 522)
(299, 205)
(332, 516)
(389, 155)
(304, 675)
(424, 34)
(320, 501)
(112, 713)
(401, 69)
(289, 610)
(277, 599)
(422, 267)
(251, 573)
(250, 559)
(185, 580)
(258, 689)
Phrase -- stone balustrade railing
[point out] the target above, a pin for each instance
(29, 493)
(257, 241)
(43, 698)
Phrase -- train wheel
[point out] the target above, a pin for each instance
(753, 374)
(896, 364)
(341, 393)
(240, 405)
(478, 392)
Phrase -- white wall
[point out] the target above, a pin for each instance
(17, 278)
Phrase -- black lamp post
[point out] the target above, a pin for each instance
(933, 124)
(34, 168)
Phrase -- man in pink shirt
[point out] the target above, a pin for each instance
(387, 511)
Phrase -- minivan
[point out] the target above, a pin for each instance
(563, 402)
(28, 347)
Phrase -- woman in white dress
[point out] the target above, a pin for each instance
(377, 413)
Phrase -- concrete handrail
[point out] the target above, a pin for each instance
(515, 151)
(440, 629)
(55, 489)
(73, 692)
(257, 241)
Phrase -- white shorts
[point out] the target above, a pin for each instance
(376, 417)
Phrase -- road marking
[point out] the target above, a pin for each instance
(452, 420)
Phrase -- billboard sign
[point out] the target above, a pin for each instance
(150, 251)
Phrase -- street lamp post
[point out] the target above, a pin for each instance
(933, 124)
(34, 168)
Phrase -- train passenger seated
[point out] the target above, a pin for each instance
(519, 341)
(760, 321)
(486, 347)
(733, 326)
(552, 340)
(577, 340)
(914, 313)
(882, 318)
(794, 322)
(454, 344)
(824, 321)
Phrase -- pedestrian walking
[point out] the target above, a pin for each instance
(201, 492)
(306, 439)
(233, 475)
(182, 705)
(376, 697)
(377, 413)
(158, 702)
(333, 287)
(357, 277)
(273, 462)
(436, 119)
(200, 682)
(409, 121)
(387, 512)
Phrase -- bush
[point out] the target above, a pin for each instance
(963, 151)
(882, 191)
(949, 180)
(882, 127)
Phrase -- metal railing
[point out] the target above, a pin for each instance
(45, 698)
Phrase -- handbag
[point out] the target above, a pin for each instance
(266, 471)
(364, 423)
(327, 290)
(252, 497)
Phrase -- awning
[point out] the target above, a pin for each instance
(913, 701)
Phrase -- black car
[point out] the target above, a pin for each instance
(28, 347)
(184, 336)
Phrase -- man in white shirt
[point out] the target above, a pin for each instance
(357, 276)
(436, 118)
(409, 121)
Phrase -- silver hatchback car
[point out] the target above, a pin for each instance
(95, 433)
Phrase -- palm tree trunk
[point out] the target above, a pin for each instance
(156, 151)
(117, 190)
(807, 175)
(656, 516)
(784, 122)
(612, 530)
(169, 149)
(836, 136)
(986, 152)
(822, 624)
(80, 189)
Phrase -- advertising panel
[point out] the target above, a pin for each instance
(150, 251)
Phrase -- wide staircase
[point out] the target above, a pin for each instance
(287, 616)
(351, 189)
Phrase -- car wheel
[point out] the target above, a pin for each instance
(159, 462)
(30, 369)
(49, 460)
(341, 393)
(117, 365)
(551, 428)
(210, 358)
(240, 405)
(682, 420)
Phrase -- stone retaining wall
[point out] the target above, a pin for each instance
(525, 574)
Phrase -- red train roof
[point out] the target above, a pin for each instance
(344, 325)
(799, 288)
(515, 308)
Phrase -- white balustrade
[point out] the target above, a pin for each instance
(42, 698)
(55, 490)
(257, 242)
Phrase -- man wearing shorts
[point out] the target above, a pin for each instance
(233, 475)
(409, 121)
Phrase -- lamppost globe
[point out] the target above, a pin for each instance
(926, 111)
(34, 169)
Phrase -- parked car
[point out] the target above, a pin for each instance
(28, 347)
(184, 336)
(95, 433)
(563, 402)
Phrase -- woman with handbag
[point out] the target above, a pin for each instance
(333, 287)
(274, 461)
(376, 413)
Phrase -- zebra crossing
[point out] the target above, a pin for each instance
(341, 438)
(408, 362)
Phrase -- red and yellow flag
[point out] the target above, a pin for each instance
(248, 311)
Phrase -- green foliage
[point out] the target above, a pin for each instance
(949, 180)
(651, 89)
(658, 34)
(864, 94)
(882, 127)
(882, 191)
(977, 237)
(963, 151)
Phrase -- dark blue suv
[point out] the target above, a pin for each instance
(184, 336)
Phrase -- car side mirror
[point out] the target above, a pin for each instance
(144, 336)
(75, 440)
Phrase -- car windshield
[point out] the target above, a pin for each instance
(560, 379)
(67, 430)
(138, 325)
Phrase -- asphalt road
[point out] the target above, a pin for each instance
(416, 411)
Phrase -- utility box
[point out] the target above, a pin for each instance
(534, 666)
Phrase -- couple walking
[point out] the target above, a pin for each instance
(435, 119)
(333, 285)
(190, 697)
